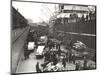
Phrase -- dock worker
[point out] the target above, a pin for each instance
(38, 70)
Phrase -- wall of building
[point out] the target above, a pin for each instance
(18, 20)
(19, 32)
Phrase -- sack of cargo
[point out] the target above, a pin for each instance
(39, 50)
(31, 45)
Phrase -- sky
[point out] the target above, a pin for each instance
(36, 12)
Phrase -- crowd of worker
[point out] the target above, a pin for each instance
(57, 55)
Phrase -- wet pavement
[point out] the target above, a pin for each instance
(28, 65)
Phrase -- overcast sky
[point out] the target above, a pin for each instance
(35, 11)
